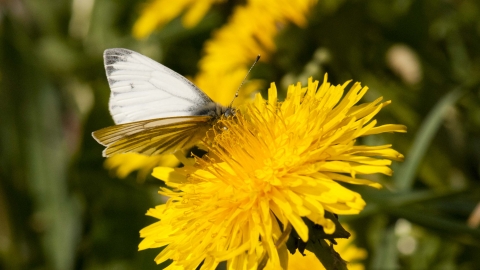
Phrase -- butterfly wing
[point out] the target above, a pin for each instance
(143, 89)
(154, 136)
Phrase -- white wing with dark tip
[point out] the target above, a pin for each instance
(142, 89)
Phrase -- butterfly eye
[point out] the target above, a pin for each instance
(229, 112)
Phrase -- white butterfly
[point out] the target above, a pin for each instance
(157, 111)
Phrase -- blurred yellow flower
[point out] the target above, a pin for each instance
(250, 31)
(160, 12)
(122, 165)
(267, 167)
(222, 88)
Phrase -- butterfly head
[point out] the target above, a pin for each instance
(215, 110)
(225, 111)
(229, 111)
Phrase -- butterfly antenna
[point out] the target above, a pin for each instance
(243, 81)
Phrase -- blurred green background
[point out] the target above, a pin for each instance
(60, 209)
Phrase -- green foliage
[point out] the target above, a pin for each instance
(327, 255)
(60, 209)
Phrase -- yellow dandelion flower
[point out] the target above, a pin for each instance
(159, 12)
(271, 165)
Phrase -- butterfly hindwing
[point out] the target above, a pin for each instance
(154, 136)
(143, 89)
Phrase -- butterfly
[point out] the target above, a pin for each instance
(155, 109)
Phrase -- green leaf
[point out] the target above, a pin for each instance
(406, 175)
(327, 255)
(385, 255)
(436, 222)
(293, 242)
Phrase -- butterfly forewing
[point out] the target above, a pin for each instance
(144, 89)
(154, 136)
